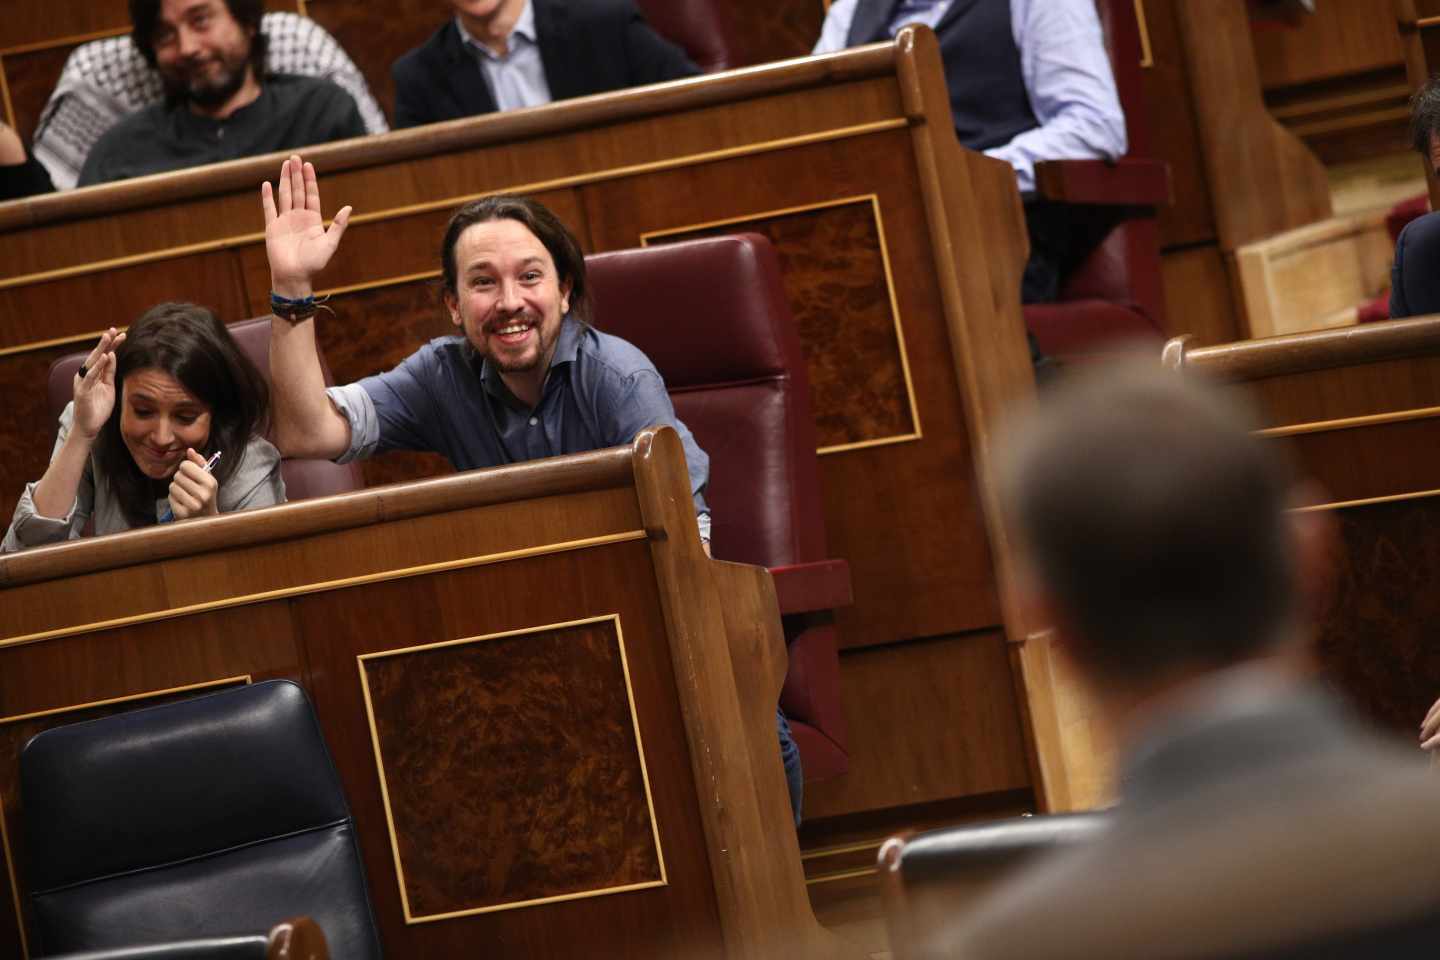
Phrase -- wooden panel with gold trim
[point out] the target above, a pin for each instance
(307, 605)
(1384, 387)
(545, 771)
(1366, 462)
(926, 488)
(30, 23)
(201, 581)
(457, 752)
(861, 393)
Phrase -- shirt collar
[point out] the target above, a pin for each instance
(567, 348)
(524, 28)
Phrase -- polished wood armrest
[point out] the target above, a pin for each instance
(811, 587)
(1129, 181)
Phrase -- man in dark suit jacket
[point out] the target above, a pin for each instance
(1415, 275)
(484, 59)
(1257, 817)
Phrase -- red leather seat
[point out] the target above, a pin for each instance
(303, 478)
(712, 316)
(702, 27)
(1113, 296)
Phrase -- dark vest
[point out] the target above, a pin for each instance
(982, 66)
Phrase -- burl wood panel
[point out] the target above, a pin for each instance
(395, 321)
(30, 77)
(678, 919)
(25, 413)
(524, 746)
(1377, 641)
(834, 275)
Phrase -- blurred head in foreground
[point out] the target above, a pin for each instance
(1153, 527)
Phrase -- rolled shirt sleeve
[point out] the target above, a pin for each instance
(645, 402)
(1071, 87)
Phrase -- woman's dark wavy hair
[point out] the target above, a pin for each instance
(190, 344)
(537, 218)
(144, 14)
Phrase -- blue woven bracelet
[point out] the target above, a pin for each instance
(301, 309)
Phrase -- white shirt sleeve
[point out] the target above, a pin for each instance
(836, 26)
(1071, 87)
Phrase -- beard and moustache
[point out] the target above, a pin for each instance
(197, 85)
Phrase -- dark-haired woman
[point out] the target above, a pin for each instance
(151, 408)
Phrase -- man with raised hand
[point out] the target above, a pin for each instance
(525, 377)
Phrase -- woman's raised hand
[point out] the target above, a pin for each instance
(94, 393)
(296, 240)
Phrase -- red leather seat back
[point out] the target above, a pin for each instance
(303, 478)
(713, 318)
(702, 27)
(1125, 267)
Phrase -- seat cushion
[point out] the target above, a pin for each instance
(1079, 328)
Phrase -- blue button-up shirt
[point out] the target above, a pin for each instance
(518, 78)
(600, 392)
(1066, 73)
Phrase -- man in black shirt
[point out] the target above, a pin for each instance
(218, 104)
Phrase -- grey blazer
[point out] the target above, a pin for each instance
(256, 483)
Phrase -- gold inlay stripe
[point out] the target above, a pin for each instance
(5, 96)
(867, 444)
(842, 875)
(75, 708)
(410, 918)
(73, 40)
(111, 701)
(1369, 501)
(321, 586)
(841, 850)
(1147, 56)
(874, 201)
(1350, 423)
(575, 180)
(57, 342)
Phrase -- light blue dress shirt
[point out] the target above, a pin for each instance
(1066, 72)
(518, 78)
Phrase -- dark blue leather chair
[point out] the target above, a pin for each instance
(297, 939)
(214, 816)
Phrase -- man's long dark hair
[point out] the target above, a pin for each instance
(190, 344)
(539, 220)
(144, 14)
